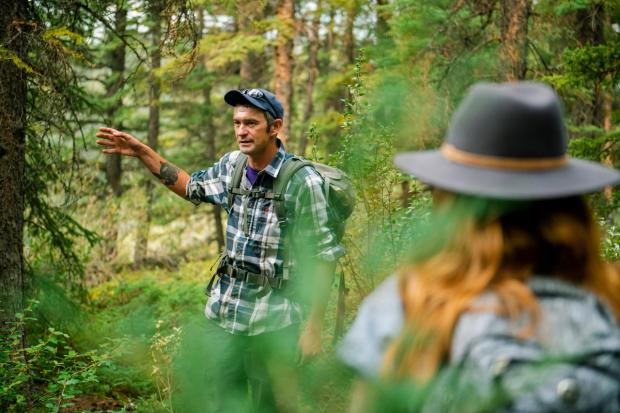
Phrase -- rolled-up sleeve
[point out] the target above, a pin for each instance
(210, 185)
(312, 219)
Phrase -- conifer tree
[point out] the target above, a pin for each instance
(116, 62)
(283, 64)
(253, 64)
(13, 87)
(210, 132)
(513, 50)
(312, 70)
(156, 7)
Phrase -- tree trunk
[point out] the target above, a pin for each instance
(591, 27)
(406, 195)
(592, 24)
(12, 159)
(116, 62)
(348, 40)
(140, 251)
(334, 101)
(253, 65)
(114, 170)
(609, 159)
(313, 69)
(329, 38)
(211, 152)
(211, 156)
(513, 49)
(382, 18)
(283, 70)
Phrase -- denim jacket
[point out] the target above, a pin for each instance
(571, 364)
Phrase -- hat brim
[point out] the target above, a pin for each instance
(234, 98)
(576, 177)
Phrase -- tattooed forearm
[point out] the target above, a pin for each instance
(168, 173)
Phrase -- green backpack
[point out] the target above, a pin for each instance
(338, 189)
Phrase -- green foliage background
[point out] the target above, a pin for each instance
(103, 334)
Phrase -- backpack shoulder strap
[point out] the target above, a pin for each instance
(287, 170)
(235, 182)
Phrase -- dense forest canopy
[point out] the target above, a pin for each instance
(92, 247)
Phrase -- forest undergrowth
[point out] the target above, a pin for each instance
(105, 333)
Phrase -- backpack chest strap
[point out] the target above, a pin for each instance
(257, 193)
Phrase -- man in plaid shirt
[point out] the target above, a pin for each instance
(250, 299)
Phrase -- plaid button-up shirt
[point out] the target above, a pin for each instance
(254, 242)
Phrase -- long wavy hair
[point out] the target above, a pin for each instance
(491, 245)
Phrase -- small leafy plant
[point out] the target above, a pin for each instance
(46, 375)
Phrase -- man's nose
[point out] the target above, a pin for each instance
(242, 130)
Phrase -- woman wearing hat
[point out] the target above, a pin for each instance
(507, 305)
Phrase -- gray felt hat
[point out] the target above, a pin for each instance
(507, 141)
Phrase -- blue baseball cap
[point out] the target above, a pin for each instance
(259, 98)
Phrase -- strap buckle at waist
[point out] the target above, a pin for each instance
(252, 277)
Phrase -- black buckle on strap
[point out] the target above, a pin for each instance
(256, 278)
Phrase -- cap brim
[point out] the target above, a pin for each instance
(234, 98)
(576, 177)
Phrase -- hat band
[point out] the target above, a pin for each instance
(452, 153)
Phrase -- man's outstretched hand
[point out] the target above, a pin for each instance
(119, 142)
(115, 141)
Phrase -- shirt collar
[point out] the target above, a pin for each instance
(276, 163)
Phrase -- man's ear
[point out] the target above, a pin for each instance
(275, 127)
